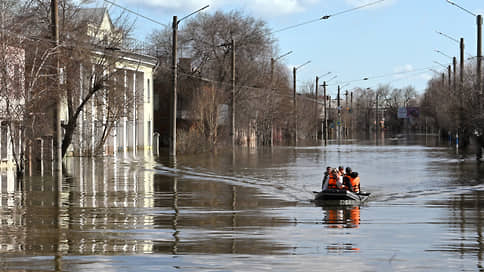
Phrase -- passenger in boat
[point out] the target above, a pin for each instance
(341, 171)
(347, 178)
(324, 184)
(352, 180)
(335, 180)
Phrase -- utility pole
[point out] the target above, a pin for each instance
(325, 115)
(233, 95)
(316, 108)
(449, 72)
(58, 128)
(294, 105)
(346, 114)
(351, 119)
(173, 98)
(462, 62)
(272, 101)
(338, 130)
(454, 63)
(329, 111)
(376, 115)
(273, 63)
(479, 58)
(172, 148)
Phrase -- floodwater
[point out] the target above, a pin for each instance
(250, 211)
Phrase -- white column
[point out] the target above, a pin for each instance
(134, 114)
(125, 118)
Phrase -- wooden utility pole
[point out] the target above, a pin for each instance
(172, 138)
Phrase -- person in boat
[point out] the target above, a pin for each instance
(335, 180)
(341, 171)
(324, 184)
(351, 180)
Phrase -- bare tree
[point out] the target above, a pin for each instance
(206, 40)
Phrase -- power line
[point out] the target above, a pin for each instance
(136, 13)
(325, 17)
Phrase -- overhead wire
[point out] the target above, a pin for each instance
(325, 17)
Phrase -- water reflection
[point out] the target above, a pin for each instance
(465, 226)
(342, 216)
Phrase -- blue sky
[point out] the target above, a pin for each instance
(390, 37)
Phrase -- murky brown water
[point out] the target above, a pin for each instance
(250, 211)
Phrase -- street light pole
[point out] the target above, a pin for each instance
(325, 115)
(317, 100)
(479, 59)
(479, 51)
(273, 63)
(233, 95)
(294, 105)
(462, 62)
(316, 108)
(454, 62)
(173, 98)
(294, 102)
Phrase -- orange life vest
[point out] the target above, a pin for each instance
(355, 184)
(332, 182)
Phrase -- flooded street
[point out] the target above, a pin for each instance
(250, 211)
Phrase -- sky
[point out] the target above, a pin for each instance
(392, 42)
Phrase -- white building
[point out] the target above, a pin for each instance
(132, 133)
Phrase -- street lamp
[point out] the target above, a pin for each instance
(316, 109)
(479, 48)
(294, 98)
(454, 62)
(461, 46)
(273, 61)
(172, 148)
